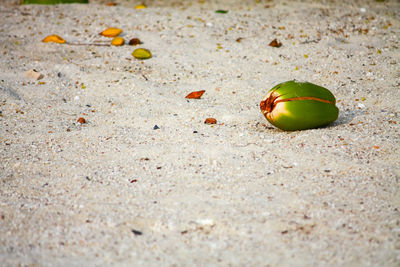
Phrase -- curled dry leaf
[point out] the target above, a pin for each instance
(275, 43)
(117, 41)
(53, 38)
(111, 32)
(81, 120)
(135, 41)
(210, 121)
(195, 95)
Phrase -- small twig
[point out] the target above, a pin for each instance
(94, 44)
(248, 37)
(310, 41)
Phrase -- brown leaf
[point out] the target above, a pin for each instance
(275, 43)
(81, 120)
(196, 94)
(135, 41)
(210, 121)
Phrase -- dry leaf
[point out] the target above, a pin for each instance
(117, 41)
(54, 39)
(141, 53)
(135, 41)
(140, 6)
(210, 121)
(111, 32)
(275, 43)
(195, 95)
(81, 120)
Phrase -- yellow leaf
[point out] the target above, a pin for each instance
(111, 32)
(140, 7)
(117, 41)
(141, 53)
(53, 38)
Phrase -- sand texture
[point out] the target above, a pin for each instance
(145, 182)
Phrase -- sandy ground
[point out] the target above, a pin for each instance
(144, 182)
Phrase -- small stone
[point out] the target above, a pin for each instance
(136, 232)
(33, 74)
(156, 127)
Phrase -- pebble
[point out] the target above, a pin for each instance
(33, 74)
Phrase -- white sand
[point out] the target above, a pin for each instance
(237, 193)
